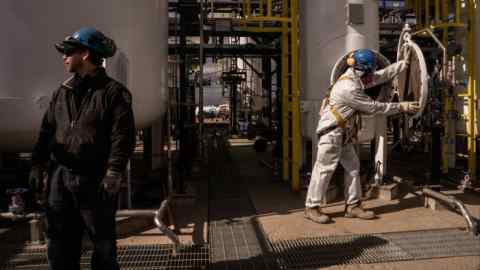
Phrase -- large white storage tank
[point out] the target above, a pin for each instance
(329, 30)
(31, 69)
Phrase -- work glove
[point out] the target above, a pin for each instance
(37, 181)
(409, 107)
(111, 182)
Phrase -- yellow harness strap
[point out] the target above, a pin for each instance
(338, 117)
(341, 122)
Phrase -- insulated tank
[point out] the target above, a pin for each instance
(330, 29)
(31, 69)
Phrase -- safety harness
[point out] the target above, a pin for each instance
(339, 119)
(341, 122)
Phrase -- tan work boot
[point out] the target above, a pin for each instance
(356, 211)
(315, 214)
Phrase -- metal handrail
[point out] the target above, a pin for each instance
(158, 216)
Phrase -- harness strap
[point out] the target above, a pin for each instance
(338, 117)
(341, 122)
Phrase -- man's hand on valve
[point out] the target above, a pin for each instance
(409, 107)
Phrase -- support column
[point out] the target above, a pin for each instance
(381, 148)
(233, 107)
(267, 86)
(158, 134)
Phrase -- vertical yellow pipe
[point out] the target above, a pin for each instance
(437, 11)
(261, 10)
(418, 15)
(472, 94)
(295, 98)
(457, 11)
(427, 13)
(248, 9)
(446, 98)
(285, 91)
(269, 8)
(445, 7)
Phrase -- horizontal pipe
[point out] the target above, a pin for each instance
(439, 196)
(159, 214)
(472, 224)
(12, 216)
(157, 218)
(136, 213)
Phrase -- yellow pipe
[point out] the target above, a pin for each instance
(295, 106)
(446, 100)
(248, 10)
(472, 92)
(268, 19)
(449, 25)
(261, 29)
(285, 105)
(261, 10)
(409, 4)
(269, 8)
(427, 13)
(457, 11)
(437, 11)
(417, 14)
(445, 10)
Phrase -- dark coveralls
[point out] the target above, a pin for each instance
(88, 129)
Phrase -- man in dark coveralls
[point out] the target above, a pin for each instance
(86, 138)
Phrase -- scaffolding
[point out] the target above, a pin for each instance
(448, 16)
(285, 13)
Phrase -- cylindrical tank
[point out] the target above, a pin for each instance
(329, 29)
(31, 69)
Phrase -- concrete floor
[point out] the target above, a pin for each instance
(281, 213)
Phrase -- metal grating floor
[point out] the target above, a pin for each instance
(237, 244)
(374, 248)
(134, 257)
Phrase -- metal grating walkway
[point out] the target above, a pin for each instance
(134, 257)
(374, 248)
(236, 239)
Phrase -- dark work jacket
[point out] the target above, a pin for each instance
(93, 136)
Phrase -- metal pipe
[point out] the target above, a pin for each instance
(159, 214)
(440, 44)
(135, 213)
(200, 85)
(427, 13)
(269, 8)
(472, 91)
(157, 218)
(295, 97)
(472, 224)
(457, 11)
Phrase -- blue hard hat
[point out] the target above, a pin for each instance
(365, 60)
(91, 39)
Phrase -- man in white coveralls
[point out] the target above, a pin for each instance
(337, 131)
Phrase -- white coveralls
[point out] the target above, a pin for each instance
(336, 143)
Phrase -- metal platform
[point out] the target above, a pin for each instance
(236, 240)
(133, 257)
(374, 248)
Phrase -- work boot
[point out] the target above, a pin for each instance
(315, 214)
(357, 211)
